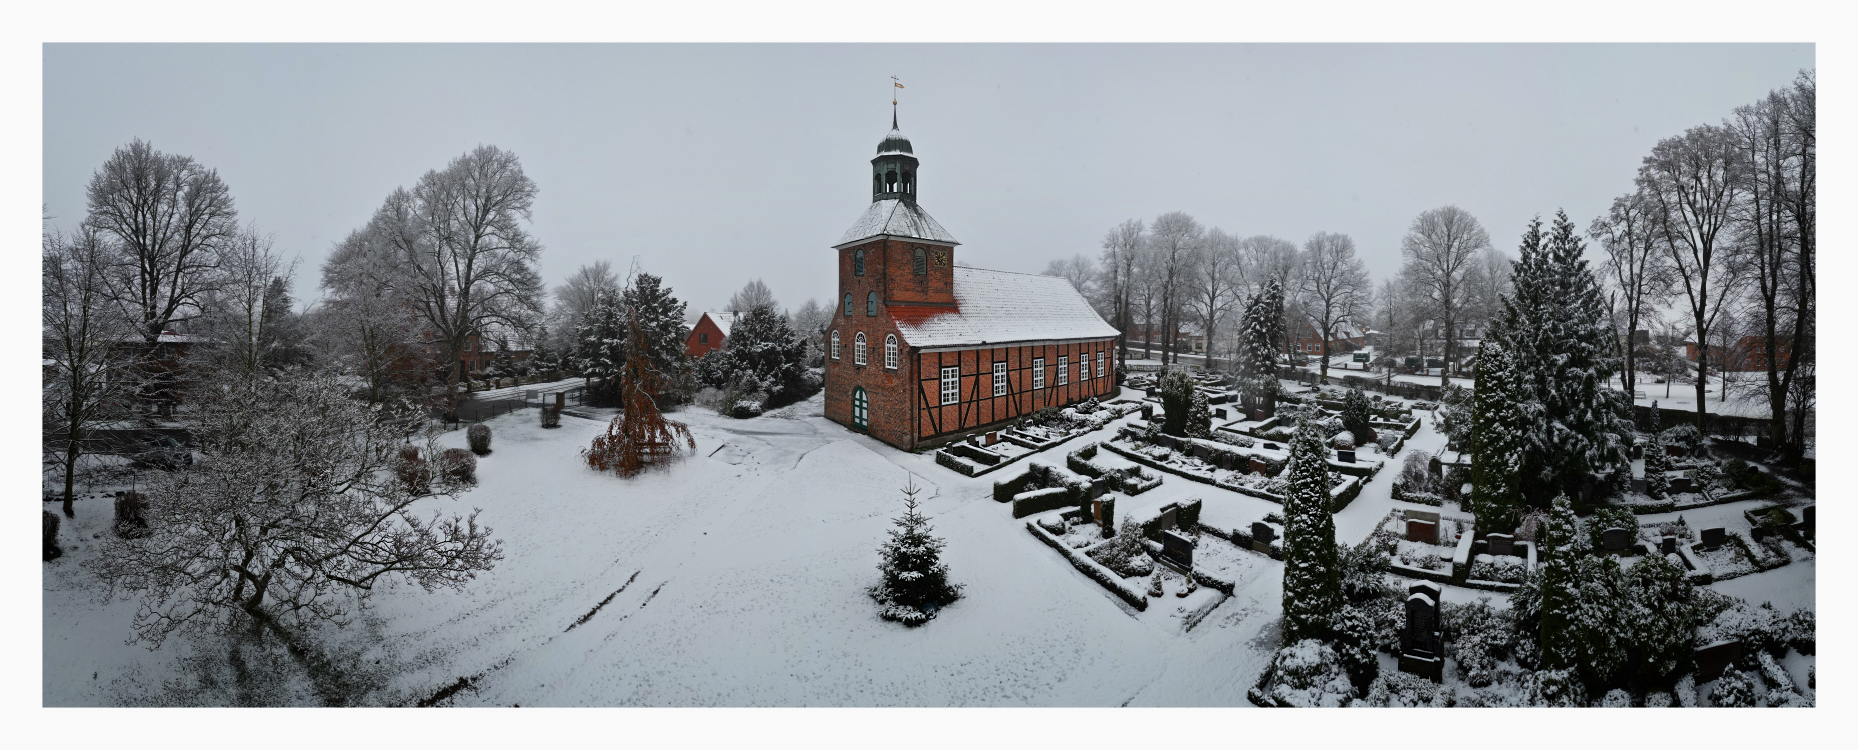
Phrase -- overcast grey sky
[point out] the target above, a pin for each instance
(715, 164)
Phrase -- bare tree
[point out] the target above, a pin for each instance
(1175, 240)
(366, 327)
(1218, 283)
(1335, 288)
(576, 296)
(233, 311)
(1799, 196)
(1269, 258)
(1078, 269)
(169, 216)
(810, 322)
(1486, 284)
(301, 505)
(1692, 181)
(88, 347)
(1122, 250)
(464, 260)
(752, 295)
(1439, 248)
(1640, 271)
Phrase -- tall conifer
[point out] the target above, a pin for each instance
(1312, 578)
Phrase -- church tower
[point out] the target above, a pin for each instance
(893, 171)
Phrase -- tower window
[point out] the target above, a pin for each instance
(848, 304)
(921, 265)
(890, 351)
(890, 180)
(858, 262)
(870, 303)
(835, 344)
(858, 349)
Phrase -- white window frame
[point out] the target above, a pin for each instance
(1100, 359)
(835, 344)
(1038, 373)
(890, 351)
(1064, 370)
(951, 385)
(858, 349)
(999, 378)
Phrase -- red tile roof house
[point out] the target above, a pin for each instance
(921, 352)
(708, 334)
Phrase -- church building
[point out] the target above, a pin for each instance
(922, 351)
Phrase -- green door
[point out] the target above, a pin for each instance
(861, 408)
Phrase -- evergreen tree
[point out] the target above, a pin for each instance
(1555, 325)
(1312, 574)
(1261, 336)
(661, 323)
(1661, 613)
(502, 363)
(1657, 461)
(915, 581)
(1453, 417)
(639, 437)
(1562, 548)
(765, 357)
(1177, 392)
(542, 359)
(1356, 413)
(600, 346)
(1199, 420)
(1598, 634)
(1497, 434)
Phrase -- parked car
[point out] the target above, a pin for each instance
(163, 453)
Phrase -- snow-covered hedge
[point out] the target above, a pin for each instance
(1307, 673)
(1038, 501)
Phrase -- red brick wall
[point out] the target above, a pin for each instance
(936, 286)
(694, 346)
(978, 406)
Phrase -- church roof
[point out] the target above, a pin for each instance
(895, 142)
(1001, 308)
(897, 218)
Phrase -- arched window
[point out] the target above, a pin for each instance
(890, 180)
(848, 304)
(870, 304)
(858, 349)
(890, 351)
(835, 344)
(922, 262)
(858, 262)
(909, 182)
(861, 408)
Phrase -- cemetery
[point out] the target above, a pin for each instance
(989, 451)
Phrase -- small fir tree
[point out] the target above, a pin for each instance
(503, 363)
(542, 359)
(1177, 392)
(1199, 417)
(1657, 461)
(639, 437)
(1261, 336)
(915, 581)
(1597, 630)
(1356, 413)
(1497, 435)
(600, 347)
(1312, 576)
(661, 324)
(1661, 612)
(1563, 546)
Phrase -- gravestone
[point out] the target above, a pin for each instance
(1422, 641)
(1713, 538)
(1714, 658)
(1680, 484)
(1170, 518)
(1200, 451)
(1667, 545)
(1638, 484)
(1347, 457)
(993, 438)
(1258, 415)
(1806, 515)
(1220, 413)
(1615, 539)
(1758, 533)
(1501, 544)
(1636, 452)
(1270, 446)
(1259, 467)
(1422, 531)
(1262, 532)
(1177, 549)
(1674, 450)
(1152, 392)
(1099, 486)
(1148, 412)
(1423, 515)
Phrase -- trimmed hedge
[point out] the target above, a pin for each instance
(1091, 568)
(1039, 501)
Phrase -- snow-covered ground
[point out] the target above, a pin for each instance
(738, 577)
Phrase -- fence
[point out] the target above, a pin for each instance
(475, 410)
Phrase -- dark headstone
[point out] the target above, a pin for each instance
(1667, 545)
(1148, 412)
(1806, 515)
(1170, 517)
(1153, 392)
(1220, 413)
(1258, 415)
(1200, 451)
(1615, 539)
(1099, 486)
(1635, 452)
(1714, 658)
(1674, 450)
(1422, 621)
(1758, 533)
(1713, 538)
(1270, 446)
(1680, 484)
(1262, 532)
(1347, 457)
(1422, 531)
(1501, 544)
(1178, 549)
(1638, 484)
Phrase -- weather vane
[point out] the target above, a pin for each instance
(896, 84)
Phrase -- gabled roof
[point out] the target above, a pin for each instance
(896, 218)
(722, 320)
(1000, 308)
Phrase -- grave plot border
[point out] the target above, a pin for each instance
(1339, 498)
(1091, 568)
(968, 467)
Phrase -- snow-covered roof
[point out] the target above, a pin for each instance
(722, 320)
(170, 337)
(1000, 307)
(896, 218)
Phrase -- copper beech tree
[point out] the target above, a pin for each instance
(640, 437)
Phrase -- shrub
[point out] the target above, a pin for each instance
(1354, 641)
(1387, 440)
(50, 522)
(1685, 435)
(1555, 688)
(478, 435)
(459, 464)
(1800, 631)
(412, 471)
(1733, 690)
(1616, 698)
(1125, 554)
(551, 416)
(1415, 473)
(1658, 699)
(1610, 517)
(131, 510)
(1402, 690)
(746, 408)
(1343, 441)
(1309, 673)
